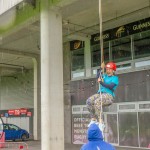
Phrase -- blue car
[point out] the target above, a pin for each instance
(13, 132)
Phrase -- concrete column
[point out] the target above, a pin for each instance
(52, 106)
(67, 97)
(0, 88)
(37, 104)
(87, 57)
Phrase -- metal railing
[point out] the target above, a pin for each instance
(13, 146)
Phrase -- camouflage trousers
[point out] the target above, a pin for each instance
(94, 103)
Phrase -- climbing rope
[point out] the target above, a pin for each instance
(102, 53)
(101, 122)
(101, 32)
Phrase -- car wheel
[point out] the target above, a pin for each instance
(24, 137)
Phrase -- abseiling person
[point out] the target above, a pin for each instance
(108, 83)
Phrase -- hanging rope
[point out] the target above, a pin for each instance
(101, 122)
(101, 32)
(102, 52)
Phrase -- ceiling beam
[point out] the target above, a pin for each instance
(9, 71)
(18, 53)
(78, 37)
(63, 3)
(74, 8)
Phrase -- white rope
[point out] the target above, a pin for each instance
(101, 48)
(101, 100)
(101, 31)
(101, 123)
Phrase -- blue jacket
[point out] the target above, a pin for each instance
(95, 140)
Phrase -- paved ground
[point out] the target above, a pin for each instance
(18, 145)
(36, 145)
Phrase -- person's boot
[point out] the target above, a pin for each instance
(93, 120)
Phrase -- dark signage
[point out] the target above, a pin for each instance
(95, 39)
(79, 128)
(122, 31)
(119, 32)
(76, 44)
(139, 26)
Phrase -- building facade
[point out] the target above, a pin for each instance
(127, 119)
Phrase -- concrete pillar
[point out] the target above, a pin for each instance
(52, 106)
(0, 88)
(37, 104)
(67, 97)
(87, 57)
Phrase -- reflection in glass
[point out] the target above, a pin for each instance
(124, 66)
(142, 44)
(128, 130)
(77, 59)
(96, 54)
(121, 49)
(13, 127)
(111, 133)
(144, 128)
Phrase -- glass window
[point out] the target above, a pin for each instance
(79, 128)
(96, 54)
(111, 130)
(144, 128)
(121, 49)
(13, 127)
(77, 59)
(124, 66)
(142, 45)
(5, 127)
(128, 130)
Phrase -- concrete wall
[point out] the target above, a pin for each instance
(17, 91)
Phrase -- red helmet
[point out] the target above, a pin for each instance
(111, 65)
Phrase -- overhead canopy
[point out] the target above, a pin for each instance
(80, 20)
